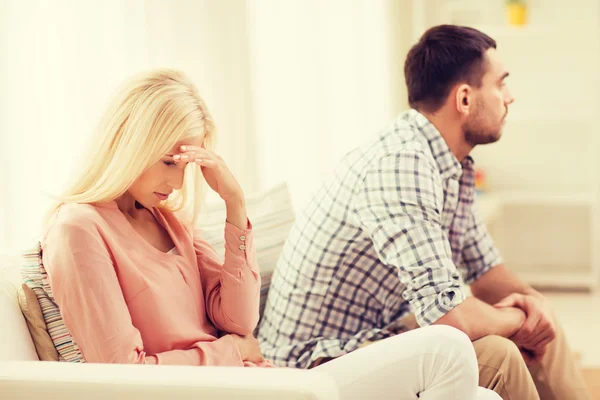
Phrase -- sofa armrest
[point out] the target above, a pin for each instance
(66, 381)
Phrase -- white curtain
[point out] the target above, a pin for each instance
(62, 60)
(292, 84)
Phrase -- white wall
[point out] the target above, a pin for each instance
(325, 77)
(4, 103)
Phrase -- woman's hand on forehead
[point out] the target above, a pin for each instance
(189, 153)
(215, 171)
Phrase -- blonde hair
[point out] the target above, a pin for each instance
(150, 114)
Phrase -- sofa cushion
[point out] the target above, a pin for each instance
(15, 341)
(272, 216)
(37, 326)
(34, 275)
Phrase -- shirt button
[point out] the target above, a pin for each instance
(242, 238)
(242, 247)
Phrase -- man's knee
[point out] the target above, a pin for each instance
(503, 369)
(499, 352)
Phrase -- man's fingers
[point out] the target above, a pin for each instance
(512, 300)
(524, 334)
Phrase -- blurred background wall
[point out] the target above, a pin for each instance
(293, 85)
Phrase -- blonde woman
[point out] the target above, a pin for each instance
(136, 284)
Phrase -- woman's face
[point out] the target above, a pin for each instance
(158, 182)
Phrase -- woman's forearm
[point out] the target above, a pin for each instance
(236, 212)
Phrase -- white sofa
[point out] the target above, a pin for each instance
(23, 376)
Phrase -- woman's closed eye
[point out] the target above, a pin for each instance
(169, 163)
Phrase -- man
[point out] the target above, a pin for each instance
(394, 233)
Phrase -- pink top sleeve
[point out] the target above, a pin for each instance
(232, 287)
(86, 288)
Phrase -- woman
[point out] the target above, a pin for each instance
(136, 284)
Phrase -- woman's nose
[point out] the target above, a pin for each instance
(176, 178)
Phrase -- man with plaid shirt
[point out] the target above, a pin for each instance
(394, 235)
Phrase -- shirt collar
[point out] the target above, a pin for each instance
(448, 164)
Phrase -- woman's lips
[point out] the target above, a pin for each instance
(161, 196)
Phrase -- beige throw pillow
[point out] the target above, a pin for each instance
(37, 326)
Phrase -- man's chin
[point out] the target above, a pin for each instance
(476, 140)
(493, 138)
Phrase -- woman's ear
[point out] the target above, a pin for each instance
(464, 99)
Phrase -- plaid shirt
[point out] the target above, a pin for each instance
(381, 239)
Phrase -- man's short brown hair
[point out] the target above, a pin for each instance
(444, 56)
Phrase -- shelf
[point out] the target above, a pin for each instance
(490, 202)
(548, 198)
(558, 280)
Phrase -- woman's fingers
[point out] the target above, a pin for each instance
(191, 153)
(203, 162)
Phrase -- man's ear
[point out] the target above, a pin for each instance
(464, 99)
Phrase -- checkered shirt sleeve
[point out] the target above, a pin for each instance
(478, 254)
(399, 206)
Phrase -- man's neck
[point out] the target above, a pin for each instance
(451, 130)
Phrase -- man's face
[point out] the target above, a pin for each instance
(490, 103)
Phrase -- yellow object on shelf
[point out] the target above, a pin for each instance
(516, 14)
